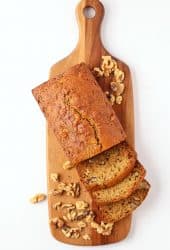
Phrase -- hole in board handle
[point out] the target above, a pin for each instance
(89, 12)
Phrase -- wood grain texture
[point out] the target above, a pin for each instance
(89, 50)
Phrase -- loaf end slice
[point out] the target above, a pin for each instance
(107, 168)
(79, 114)
(123, 189)
(116, 211)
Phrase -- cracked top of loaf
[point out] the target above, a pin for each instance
(79, 114)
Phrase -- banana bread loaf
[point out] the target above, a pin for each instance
(74, 104)
(118, 210)
(123, 189)
(107, 168)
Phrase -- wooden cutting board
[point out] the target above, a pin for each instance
(89, 50)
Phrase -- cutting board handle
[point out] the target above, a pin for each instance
(89, 28)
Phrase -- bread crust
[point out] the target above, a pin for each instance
(74, 104)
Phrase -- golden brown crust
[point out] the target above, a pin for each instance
(116, 211)
(128, 160)
(127, 187)
(74, 104)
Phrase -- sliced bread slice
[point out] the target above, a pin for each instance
(123, 189)
(107, 168)
(116, 211)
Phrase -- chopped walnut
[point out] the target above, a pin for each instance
(66, 231)
(54, 177)
(113, 86)
(86, 237)
(119, 75)
(120, 89)
(98, 72)
(112, 99)
(59, 190)
(71, 232)
(75, 235)
(82, 214)
(81, 224)
(38, 198)
(103, 228)
(107, 72)
(59, 223)
(67, 165)
(68, 206)
(90, 217)
(119, 99)
(71, 189)
(81, 205)
(72, 215)
(57, 205)
(117, 88)
(108, 68)
(108, 63)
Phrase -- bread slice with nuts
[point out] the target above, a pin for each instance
(118, 210)
(107, 168)
(123, 189)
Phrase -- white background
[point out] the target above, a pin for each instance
(33, 35)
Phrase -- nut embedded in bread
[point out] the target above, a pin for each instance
(118, 210)
(107, 168)
(74, 104)
(123, 189)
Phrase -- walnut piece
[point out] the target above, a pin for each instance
(81, 205)
(113, 86)
(54, 177)
(38, 198)
(68, 206)
(57, 205)
(90, 217)
(103, 228)
(119, 75)
(86, 237)
(67, 165)
(72, 215)
(112, 99)
(71, 189)
(108, 68)
(81, 224)
(119, 99)
(120, 89)
(71, 232)
(98, 72)
(59, 223)
(82, 214)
